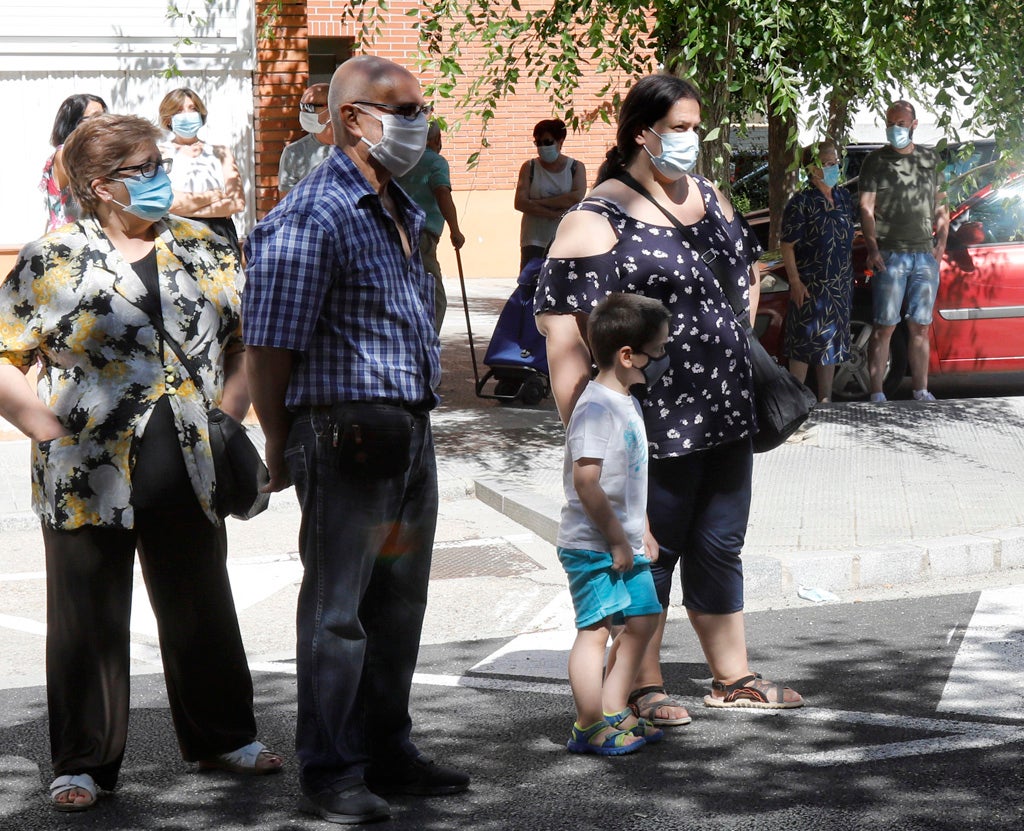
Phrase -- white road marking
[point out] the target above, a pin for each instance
(22, 624)
(986, 675)
(543, 651)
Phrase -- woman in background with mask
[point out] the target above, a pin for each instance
(548, 186)
(60, 207)
(121, 458)
(817, 247)
(699, 413)
(207, 187)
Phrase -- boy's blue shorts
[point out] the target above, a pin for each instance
(599, 592)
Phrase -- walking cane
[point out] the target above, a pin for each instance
(469, 325)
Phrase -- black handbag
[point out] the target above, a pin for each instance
(782, 403)
(238, 468)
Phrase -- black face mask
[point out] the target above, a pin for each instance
(654, 368)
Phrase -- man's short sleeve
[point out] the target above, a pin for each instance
(439, 176)
(290, 268)
(868, 179)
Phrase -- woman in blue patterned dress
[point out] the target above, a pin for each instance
(700, 414)
(817, 244)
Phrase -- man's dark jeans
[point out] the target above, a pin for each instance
(365, 544)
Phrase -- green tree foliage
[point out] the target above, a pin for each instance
(752, 59)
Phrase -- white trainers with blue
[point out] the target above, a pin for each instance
(923, 395)
(878, 397)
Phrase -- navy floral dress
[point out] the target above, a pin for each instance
(706, 397)
(818, 332)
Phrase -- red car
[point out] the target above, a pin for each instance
(978, 323)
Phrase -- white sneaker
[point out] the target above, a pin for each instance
(878, 397)
(923, 395)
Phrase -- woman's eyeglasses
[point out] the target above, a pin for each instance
(545, 142)
(410, 112)
(147, 170)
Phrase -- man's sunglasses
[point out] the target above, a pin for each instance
(410, 112)
(305, 107)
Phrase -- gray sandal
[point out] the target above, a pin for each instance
(643, 705)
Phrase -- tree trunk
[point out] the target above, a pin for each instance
(783, 158)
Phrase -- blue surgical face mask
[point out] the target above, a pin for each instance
(830, 175)
(186, 125)
(898, 137)
(679, 152)
(148, 199)
(548, 153)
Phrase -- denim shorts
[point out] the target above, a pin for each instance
(909, 275)
(598, 592)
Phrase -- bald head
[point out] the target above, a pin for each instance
(367, 78)
(316, 94)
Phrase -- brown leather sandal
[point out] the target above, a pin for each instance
(644, 705)
(752, 691)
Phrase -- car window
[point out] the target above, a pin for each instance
(1001, 213)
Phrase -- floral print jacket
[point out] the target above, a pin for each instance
(71, 305)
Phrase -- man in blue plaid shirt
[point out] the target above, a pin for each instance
(343, 361)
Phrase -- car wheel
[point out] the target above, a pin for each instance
(852, 380)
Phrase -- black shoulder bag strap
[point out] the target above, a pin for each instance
(710, 256)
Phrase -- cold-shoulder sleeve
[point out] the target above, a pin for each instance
(577, 284)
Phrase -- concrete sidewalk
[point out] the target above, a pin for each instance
(866, 496)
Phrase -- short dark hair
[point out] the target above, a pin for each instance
(623, 320)
(903, 105)
(69, 115)
(554, 126)
(648, 101)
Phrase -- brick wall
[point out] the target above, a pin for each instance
(279, 80)
(510, 133)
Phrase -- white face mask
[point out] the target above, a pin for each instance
(311, 123)
(402, 144)
(679, 152)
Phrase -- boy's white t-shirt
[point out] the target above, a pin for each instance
(606, 425)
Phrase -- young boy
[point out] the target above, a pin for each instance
(601, 534)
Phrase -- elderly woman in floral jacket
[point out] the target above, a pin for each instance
(121, 458)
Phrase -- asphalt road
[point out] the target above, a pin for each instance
(890, 741)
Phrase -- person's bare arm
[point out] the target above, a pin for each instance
(227, 200)
(524, 203)
(566, 200)
(797, 290)
(869, 231)
(21, 406)
(941, 226)
(446, 205)
(235, 398)
(269, 371)
(586, 478)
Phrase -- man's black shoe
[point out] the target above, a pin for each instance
(416, 777)
(350, 806)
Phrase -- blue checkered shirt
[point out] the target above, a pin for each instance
(327, 278)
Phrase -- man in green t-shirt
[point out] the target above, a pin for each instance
(429, 186)
(905, 224)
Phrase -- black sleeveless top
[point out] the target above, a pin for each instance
(159, 476)
(706, 397)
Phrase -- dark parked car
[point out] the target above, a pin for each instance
(978, 324)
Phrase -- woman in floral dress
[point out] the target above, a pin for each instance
(121, 459)
(700, 414)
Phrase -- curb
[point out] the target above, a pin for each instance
(772, 577)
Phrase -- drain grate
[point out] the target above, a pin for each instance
(475, 559)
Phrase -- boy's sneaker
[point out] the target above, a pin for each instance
(923, 395)
(878, 397)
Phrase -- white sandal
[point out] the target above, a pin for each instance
(63, 784)
(244, 760)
